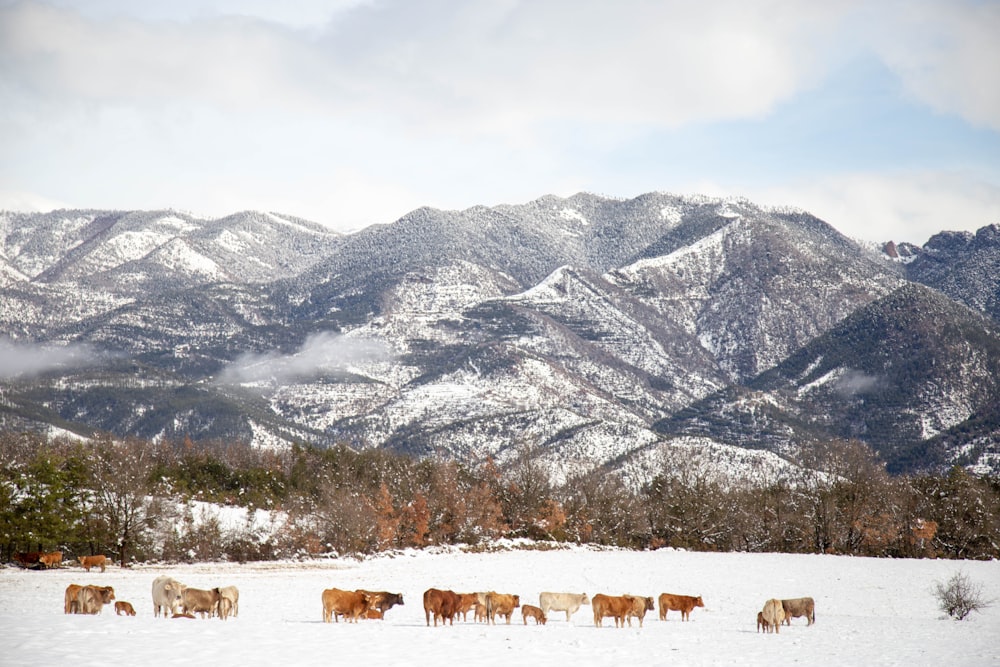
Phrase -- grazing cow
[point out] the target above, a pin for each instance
(70, 605)
(168, 595)
(799, 607)
(773, 614)
(122, 607)
(229, 602)
(467, 602)
(681, 603)
(352, 605)
(383, 600)
(761, 623)
(441, 604)
(503, 604)
(51, 559)
(568, 602)
(640, 605)
(617, 607)
(530, 610)
(88, 562)
(480, 613)
(91, 599)
(200, 601)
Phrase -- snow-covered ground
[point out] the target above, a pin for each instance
(868, 612)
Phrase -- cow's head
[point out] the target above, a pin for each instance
(698, 602)
(517, 600)
(584, 599)
(649, 603)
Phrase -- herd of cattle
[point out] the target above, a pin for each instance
(175, 600)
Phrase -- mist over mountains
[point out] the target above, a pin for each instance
(589, 330)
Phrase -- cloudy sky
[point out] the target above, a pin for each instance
(882, 118)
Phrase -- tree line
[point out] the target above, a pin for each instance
(136, 500)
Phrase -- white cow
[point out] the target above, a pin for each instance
(167, 595)
(568, 602)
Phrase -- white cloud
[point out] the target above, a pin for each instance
(906, 206)
(322, 353)
(947, 54)
(28, 359)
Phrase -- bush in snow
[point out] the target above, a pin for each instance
(960, 596)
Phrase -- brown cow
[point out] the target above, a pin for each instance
(197, 600)
(681, 603)
(27, 558)
(50, 559)
(640, 605)
(761, 623)
(799, 607)
(530, 610)
(352, 605)
(773, 614)
(122, 607)
(91, 599)
(440, 604)
(374, 614)
(70, 605)
(100, 560)
(611, 605)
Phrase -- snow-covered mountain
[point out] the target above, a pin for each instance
(586, 330)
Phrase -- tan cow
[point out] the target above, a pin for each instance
(480, 613)
(640, 605)
(88, 562)
(352, 605)
(681, 603)
(773, 614)
(617, 607)
(229, 602)
(503, 604)
(531, 611)
(568, 602)
(51, 559)
(441, 605)
(201, 601)
(123, 607)
(799, 607)
(91, 599)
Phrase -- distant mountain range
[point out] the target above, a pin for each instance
(586, 330)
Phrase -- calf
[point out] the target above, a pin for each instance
(761, 623)
(617, 607)
(70, 605)
(799, 607)
(568, 602)
(531, 611)
(88, 562)
(480, 613)
(123, 607)
(640, 605)
(467, 602)
(352, 605)
(681, 603)
(199, 601)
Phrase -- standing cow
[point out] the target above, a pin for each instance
(799, 607)
(441, 604)
(568, 602)
(168, 595)
(773, 614)
(616, 606)
(229, 602)
(640, 605)
(682, 603)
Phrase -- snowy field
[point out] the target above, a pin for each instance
(868, 612)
